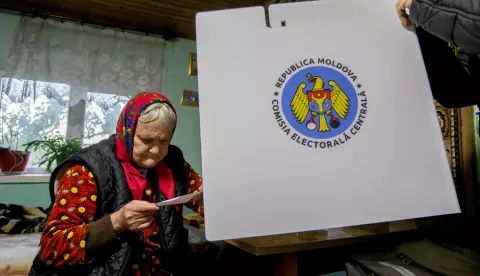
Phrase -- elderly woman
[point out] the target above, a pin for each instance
(104, 220)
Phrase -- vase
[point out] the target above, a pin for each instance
(13, 161)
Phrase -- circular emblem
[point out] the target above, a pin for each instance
(331, 98)
(319, 105)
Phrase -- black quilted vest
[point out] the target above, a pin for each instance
(113, 193)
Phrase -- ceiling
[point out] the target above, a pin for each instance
(169, 18)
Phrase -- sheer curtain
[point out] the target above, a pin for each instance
(84, 57)
(66, 62)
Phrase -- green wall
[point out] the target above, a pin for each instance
(176, 79)
(31, 194)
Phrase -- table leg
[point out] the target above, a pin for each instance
(287, 265)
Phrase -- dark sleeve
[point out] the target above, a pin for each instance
(456, 22)
(453, 86)
(99, 233)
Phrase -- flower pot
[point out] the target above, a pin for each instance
(13, 161)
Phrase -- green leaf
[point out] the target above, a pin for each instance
(56, 147)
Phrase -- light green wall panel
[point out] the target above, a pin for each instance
(176, 79)
(28, 194)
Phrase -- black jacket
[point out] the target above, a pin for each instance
(454, 21)
(455, 80)
(113, 193)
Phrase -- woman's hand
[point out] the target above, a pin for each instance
(200, 189)
(199, 198)
(135, 216)
(402, 5)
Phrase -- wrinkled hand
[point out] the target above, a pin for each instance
(402, 5)
(199, 198)
(200, 189)
(135, 216)
(197, 201)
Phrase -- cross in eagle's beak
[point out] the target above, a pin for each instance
(310, 79)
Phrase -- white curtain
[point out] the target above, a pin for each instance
(86, 58)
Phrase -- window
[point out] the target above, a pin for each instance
(27, 119)
(48, 114)
(101, 114)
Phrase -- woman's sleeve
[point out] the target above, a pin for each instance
(441, 64)
(193, 182)
(456, 22)
(63, 241)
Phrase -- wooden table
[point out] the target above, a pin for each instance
(286, 246)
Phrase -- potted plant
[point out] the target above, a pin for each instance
(12, 161)
(57, 148)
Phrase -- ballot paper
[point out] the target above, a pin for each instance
(178, 200)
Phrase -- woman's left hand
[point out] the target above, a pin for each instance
(200, 189)
(402, 6)
(135, 216)
(199, 198)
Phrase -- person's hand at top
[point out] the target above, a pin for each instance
(402, 6)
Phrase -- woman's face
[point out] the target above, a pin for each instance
(150, 143)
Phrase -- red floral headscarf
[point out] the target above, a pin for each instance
(126, 125)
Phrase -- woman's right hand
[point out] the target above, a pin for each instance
(135, 216)
(402, 6)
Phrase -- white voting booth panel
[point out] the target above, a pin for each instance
(326, 122)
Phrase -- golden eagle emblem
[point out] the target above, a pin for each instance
(320, 102)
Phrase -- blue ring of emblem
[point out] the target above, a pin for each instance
(320, 93)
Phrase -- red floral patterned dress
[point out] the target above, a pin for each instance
(64, 239)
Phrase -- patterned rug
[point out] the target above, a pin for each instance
(18, 219)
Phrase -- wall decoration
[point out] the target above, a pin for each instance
(192, 64)
(190, 98)
(449, 125)
(458, 136)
